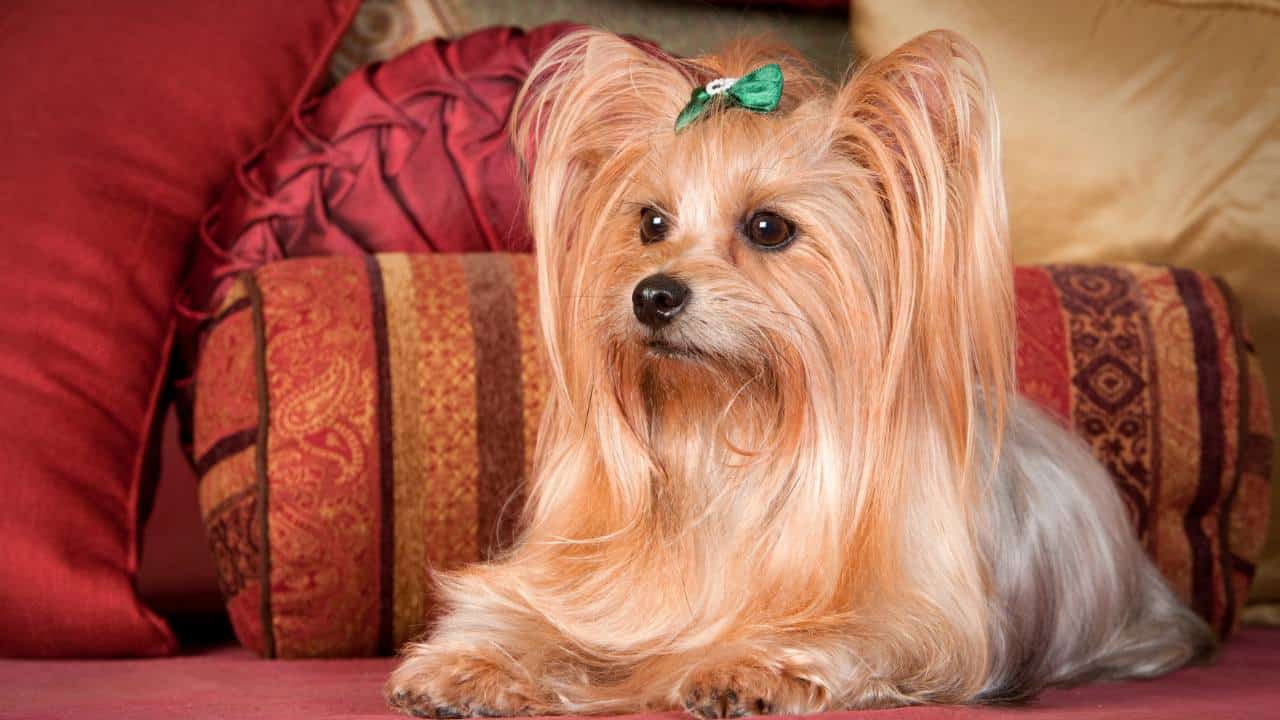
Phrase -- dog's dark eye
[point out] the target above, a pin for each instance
(653, 226)
(770, 230)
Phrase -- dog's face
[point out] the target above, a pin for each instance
(731, 248)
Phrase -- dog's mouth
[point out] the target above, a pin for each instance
(658, 347)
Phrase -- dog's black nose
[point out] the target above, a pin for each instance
(658, 299)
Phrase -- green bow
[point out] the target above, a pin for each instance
(757, 91)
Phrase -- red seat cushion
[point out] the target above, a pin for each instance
(120, 121)
(232, 683)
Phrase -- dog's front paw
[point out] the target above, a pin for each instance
(455, 683)
(741, 690)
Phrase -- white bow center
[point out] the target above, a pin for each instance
(720, 85)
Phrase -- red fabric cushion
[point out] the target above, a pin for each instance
(1149, 365)
(409, 155)
(120, 120)
(232, 683)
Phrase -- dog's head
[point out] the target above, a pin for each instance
(837, 262)
(778, 332)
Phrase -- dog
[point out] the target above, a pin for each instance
(783, 467)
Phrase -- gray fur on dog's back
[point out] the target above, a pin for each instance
(1077, 598)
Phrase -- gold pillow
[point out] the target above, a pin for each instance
(1134, 131)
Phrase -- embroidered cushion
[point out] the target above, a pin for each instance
(363, 420)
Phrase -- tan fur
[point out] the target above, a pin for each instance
(805, 511)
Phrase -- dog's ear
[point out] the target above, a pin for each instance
(920, 127)
(922, 122)
(580, 126)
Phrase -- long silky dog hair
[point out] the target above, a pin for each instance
(812, 485)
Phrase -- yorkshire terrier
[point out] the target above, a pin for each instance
(782, 467)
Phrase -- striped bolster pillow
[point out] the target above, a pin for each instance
(361, 421)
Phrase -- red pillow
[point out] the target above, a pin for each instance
(120, 121)
(411, 155)
(328, 505)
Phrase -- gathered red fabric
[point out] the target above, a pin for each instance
(410, 155)
(120, 121)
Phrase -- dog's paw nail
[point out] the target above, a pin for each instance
(419, 712)
(485, 712)
(448, 711)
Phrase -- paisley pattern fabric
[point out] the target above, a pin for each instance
(361, 422)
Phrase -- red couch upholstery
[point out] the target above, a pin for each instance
(233, 683)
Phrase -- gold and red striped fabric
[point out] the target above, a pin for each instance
(361, 422)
